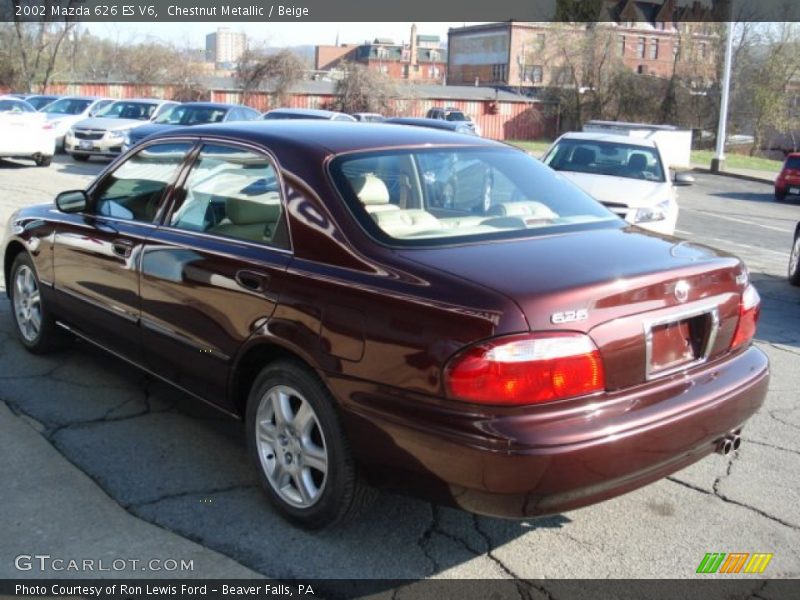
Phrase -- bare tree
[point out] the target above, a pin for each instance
(257, 69)
(364, 90)
(37, 45)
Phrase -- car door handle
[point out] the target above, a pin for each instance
(122, 248)
(252, 280)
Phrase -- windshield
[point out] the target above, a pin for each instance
(456, 116)
(793, 162)
(141, 111)
(15, 106)
(192, 115)
(449, 194)
(606, 158)
(39, 102)
(68, 106)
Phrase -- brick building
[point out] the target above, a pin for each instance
(653, 38)
(422, 59)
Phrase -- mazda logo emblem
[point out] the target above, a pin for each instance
(681, 291)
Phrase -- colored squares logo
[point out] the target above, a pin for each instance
(733, 563)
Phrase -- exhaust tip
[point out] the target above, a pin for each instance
(725, 446)
(737, 441)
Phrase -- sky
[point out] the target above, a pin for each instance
(275, 34)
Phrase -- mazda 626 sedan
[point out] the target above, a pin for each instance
(398, 306)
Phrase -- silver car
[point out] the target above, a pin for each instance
(103, 134)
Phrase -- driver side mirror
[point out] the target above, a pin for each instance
(74, 201)
(683, 178)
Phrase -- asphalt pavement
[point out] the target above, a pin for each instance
(101, 461)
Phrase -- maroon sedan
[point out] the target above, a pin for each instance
(398, 306)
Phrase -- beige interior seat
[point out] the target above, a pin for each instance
(373, 194)
(404, 223)
(249, 219)
(524, 209)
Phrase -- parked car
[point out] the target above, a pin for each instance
(521, 352)
(794, 259)
(66, 111)
(454, 126)
(104, 134)
(366, 117)
(788, 181)
(306, 113)
(190, 114)
(626, 174)
(39, 101)
(454, 115)
(25, 133)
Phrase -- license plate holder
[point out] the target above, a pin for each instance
(85, 145)
(680, 341)
(794, 190)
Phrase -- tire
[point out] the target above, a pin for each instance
(35, 328)
(44, 161)
(794, 261)
(80, 157)
(306, 469)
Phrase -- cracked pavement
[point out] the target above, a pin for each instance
(171, 464)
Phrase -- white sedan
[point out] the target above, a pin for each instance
(626, 174)
(67, 111)
(25, 133)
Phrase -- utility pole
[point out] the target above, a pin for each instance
(718, 162)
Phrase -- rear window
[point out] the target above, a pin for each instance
(446, 195)
(793, 162)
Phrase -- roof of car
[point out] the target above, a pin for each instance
(213, 105)
(608, 137)
(333, 136)
(425, 122)
(156, 100)
(316, 112)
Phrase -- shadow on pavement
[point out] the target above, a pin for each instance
(174, 462)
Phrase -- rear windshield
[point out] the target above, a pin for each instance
(445, 195)
(192, 115)
(793, 162)
(15, 106)
(605, 158)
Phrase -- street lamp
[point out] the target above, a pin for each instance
(718, 162)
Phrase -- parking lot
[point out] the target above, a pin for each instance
(183, 468)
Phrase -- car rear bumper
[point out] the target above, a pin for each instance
(552, 458)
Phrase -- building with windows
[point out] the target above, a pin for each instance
(653, 38)
(422, 59)
(225, 47)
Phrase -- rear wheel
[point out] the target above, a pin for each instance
(80, 157)
(296, 440)
(35, 328)
(794, 261)
(43, 161)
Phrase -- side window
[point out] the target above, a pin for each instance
(234, 193)
(134, 190)
(234, 115)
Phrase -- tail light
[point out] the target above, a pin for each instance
(526, 369)
(749, 311)
(47, 126)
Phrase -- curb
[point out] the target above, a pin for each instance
(735, 175)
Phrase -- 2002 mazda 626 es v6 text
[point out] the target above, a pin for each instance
(398, 306)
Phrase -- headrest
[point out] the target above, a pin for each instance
(371, 190)
(583, 156)
(637, 161)
(527, 208)
(249, 212)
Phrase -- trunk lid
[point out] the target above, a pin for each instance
(613, 284)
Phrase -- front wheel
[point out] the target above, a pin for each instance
(43, 161)
(296, 440)
(794, 261)
(80, 157)
(35, 328)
